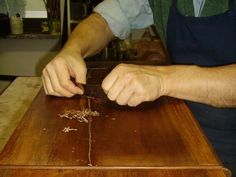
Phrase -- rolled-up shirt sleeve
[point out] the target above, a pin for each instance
(124, 15)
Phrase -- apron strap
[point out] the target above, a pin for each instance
(231, 4)
(174, 3)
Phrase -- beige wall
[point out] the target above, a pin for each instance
(4, 84)
(26, 57)
(35, 5)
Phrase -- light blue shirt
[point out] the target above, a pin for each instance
(124, 15)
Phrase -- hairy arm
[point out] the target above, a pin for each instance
(88, 38)
(215, 86)
(133, 84)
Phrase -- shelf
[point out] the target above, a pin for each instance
(31, 36)
(74, 21)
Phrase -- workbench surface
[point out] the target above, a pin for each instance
(157, 139)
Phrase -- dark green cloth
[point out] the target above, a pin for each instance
(160, 10)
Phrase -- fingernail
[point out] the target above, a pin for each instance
(81, 92)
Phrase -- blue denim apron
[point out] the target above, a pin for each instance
(207, 41)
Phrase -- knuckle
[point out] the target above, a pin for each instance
(83, 70)
(134, 103)
(44, 72)
(57, 89)
(50, 65)
(111, 96)
(65, 85)
(121, 67)
(47, 70)
(131, 104)
(120, 102)
(50, 92)
(134, 83)
(129, 76)
(142, 90)
(53, 62)
(136, 100)
(104, 87)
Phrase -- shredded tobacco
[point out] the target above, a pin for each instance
(68, 129)
(78, 115)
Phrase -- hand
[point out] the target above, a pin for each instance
(133, 84)
(57, 74)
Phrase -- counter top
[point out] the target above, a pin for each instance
(14, 102)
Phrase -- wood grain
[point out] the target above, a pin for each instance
(113, 173)
(152, 135)
(162, 133)
(14, 102)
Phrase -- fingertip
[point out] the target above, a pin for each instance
(83, 79)
(105, 86)
(80, 78)
(104, 89)
(80, 91)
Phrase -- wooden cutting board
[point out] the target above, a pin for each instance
(158, 135)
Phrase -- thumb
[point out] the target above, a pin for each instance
(80, 75)
(78, 68)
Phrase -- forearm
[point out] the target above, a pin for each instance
(89, 37)
(214, 86)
